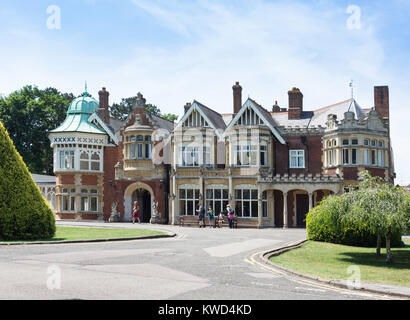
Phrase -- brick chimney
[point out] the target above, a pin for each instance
(295, 104)
(237, 97)
(381, 101)
(187, 106)
(103, 110)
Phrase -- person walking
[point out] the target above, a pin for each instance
(230, 215)
(211, 217)
(136, 213)
(201, 216)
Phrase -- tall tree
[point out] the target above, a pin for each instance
(28, 115)
(124, 108)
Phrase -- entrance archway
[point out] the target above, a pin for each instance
(143, 198)
(148, 199)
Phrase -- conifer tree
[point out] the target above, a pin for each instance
(24, 213)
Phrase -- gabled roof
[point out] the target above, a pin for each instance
(213, 118)
(262, 113)
(107, 128)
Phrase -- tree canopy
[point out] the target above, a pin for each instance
(124, 108)
(28, 115)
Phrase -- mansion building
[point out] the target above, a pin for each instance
(272, 166)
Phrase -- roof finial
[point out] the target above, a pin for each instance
(351, 88)
(85, 91)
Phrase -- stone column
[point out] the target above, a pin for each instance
(310, 201)
(285, 210)
(260, 209)
(174, 199)
(231, 193)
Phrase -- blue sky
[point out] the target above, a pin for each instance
(177, 51)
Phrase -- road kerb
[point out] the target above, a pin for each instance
(265, 256)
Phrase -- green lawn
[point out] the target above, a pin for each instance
(330, 261)
(75, 233)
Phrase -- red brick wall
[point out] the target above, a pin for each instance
(159, 195)
(110, 192)
(313, 155)
(377, 172)
(90, 180)
(65, 179)
(381, 100)
(350, 173)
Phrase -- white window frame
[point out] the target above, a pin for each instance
(298, 154)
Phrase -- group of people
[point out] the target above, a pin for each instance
(213, 220)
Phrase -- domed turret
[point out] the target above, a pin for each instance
(83, 104)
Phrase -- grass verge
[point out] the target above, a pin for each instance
(331, 261)
(76, 233)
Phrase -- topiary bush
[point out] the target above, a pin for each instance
(24, 213)
(326, 223)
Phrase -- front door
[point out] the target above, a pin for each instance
(302, 208)
(143, 198)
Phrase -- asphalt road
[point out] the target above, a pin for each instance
(202, 264)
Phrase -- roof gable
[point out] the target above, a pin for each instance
(254, 114)
(199, 115)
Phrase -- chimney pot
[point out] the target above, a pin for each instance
(103, 105)
(295, 103)
(237, 97)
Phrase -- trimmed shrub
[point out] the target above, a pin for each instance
(325, 223)
(24, 213)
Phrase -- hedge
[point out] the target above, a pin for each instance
(24, 213)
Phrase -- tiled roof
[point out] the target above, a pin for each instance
(213, 116)
(43, 179)
(319, 116)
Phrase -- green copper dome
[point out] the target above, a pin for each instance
(78, 113)
(84, 104)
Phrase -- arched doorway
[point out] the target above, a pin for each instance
(147, 199)
(143, 197)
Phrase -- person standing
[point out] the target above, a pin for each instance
(230, 215)
(201, 216)
(136, 212)
(211, 217)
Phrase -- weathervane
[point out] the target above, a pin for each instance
(351, 87)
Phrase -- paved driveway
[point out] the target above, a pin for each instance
(197, 264)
